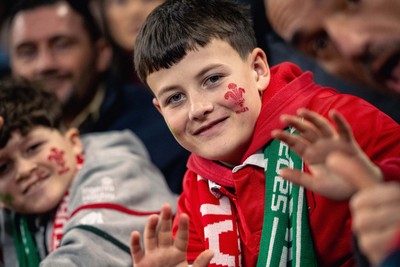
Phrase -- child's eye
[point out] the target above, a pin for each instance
(212, 80)
(4, 168)
(33, 148)
(175, 98)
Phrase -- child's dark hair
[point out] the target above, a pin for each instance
(24, 106)
(178, 26)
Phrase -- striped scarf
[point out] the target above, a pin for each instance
(286, 238)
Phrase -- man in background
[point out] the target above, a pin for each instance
(59, 44)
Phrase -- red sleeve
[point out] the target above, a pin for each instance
(390, 169)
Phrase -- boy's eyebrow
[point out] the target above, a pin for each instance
(207, 69)
(198, 76)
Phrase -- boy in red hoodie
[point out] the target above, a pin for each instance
(221, 101)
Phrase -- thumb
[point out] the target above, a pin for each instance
(203, 259)
(358, 170)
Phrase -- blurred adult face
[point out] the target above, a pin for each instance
(125, 17)
(50, 44)
(357, 40)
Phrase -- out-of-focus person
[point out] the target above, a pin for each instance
(360, 41)
(59, 43)
(121, 21)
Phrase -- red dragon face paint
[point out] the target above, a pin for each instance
(236, 93)
(57, 156)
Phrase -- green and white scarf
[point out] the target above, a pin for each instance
(26, 249)
(286, 238)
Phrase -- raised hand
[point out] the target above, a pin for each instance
(376, 219)
(317, 142)
(160, 249)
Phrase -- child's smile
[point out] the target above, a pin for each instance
(36, 170)
(212, 105)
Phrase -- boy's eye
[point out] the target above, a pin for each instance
(4, 168)
(212, 80)
(175, 98)
(33, 148)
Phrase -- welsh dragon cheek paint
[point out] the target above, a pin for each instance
(57, 156)
(236, 94)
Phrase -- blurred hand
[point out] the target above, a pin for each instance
(317, 142)
(376, 219)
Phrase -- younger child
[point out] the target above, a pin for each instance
(221, 101)
(68, 201)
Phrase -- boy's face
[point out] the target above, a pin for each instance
(211, 99)
(36, 170)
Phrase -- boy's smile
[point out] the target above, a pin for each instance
(211, 99)
(36, 170)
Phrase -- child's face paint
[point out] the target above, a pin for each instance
(211, 106)
(57, 156)
(236, 94)
(36, 170)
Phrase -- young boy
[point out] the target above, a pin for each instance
(221, 101)
(68, 201)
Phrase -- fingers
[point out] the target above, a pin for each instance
(297, 143)
(136, 250)
(344, 129)
(298, 177)
(182, 235)
(384, 195)
(323, 126)
(357, 170)
(312, 128)
(376, 218)
(376, 245)
(203, 259)
(165, 226)
(150, 233)
(312, 125)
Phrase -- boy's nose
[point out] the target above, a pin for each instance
(25, 168)
(199, 109)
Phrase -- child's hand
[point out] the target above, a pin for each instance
(319, 145)
(159, 247)
(376, 219)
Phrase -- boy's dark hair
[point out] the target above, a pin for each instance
(179, 26)
(24, 106)
(81, 7)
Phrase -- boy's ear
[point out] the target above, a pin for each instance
(157, 105)
(73, 137)
(104, 54)
(261, 69)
